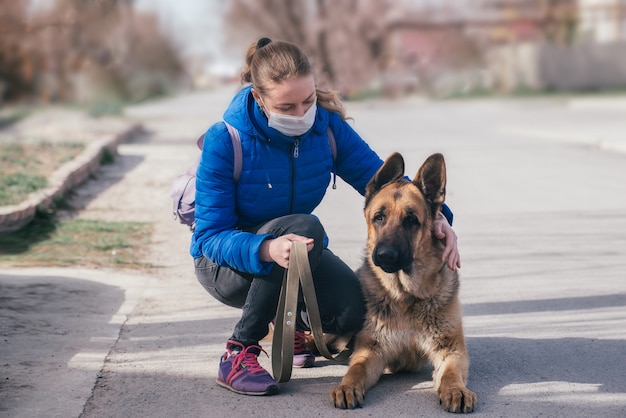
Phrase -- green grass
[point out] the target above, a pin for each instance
(77, 242)
(106, 108)
(24, 168)
(14, 188)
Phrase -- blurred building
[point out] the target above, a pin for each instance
(603, 20)
(508, 45)
(577, 45)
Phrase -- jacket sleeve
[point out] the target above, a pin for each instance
(356, 162)
(216, 219)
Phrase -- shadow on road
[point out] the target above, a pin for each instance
(53, 329)
(545, 305)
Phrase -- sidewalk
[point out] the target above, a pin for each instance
(542, 280)
(604, 134)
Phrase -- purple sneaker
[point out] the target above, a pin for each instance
(302, 356)
(241, 372)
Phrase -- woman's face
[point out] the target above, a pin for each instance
(291, 97)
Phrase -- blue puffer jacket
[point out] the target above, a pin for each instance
(280, 175)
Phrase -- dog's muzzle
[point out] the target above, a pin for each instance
(390, 258)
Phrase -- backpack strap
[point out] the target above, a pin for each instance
(234, 137)
(333, 151)
(237, 155)
(332, 143)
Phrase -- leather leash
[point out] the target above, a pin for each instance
(299, 272)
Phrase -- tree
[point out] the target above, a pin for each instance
(83, 50)
(347, 40)
(16, 69)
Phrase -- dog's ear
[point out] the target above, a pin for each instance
(431, 179)
(390, 171)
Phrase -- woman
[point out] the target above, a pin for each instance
(244, 229)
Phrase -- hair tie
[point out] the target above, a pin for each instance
(262, 42)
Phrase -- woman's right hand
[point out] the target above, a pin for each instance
(278, 249)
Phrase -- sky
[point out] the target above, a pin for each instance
(196, 28)
(179, 13)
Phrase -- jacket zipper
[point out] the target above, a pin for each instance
(294, 155)
(296, 148)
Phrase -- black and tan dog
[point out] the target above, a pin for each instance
(413, 309)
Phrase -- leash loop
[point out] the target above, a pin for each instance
(298, 273)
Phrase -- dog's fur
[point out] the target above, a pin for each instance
(413, 309)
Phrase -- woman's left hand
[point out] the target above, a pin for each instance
(444, 232)
(278, 249)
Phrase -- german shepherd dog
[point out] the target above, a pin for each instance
(413, 309)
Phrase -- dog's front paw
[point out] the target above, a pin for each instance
(457, 399)
(347, 397)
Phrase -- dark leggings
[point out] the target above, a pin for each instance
(339, 296)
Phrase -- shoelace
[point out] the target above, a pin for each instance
(248, 359)
(299, 342)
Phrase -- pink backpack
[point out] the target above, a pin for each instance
(183, 191)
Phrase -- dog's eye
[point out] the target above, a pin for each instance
(378, 218)
(411, 221)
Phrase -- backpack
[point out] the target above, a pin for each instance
(183, 191)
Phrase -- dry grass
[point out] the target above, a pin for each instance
(48, 241)
(25, 167)
(76, 242)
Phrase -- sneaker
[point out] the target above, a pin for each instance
(241, 372)
(302, 356)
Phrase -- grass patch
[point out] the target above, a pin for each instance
(77, 242)
(15, 187)
(106, 108)
(25, 167)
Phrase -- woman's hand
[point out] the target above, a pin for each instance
(278, 249)
(444, 232)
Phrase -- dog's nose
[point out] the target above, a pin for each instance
(386, 254)
(386, 257)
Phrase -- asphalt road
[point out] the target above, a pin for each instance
(539, 195)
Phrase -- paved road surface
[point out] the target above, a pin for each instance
(539, 194)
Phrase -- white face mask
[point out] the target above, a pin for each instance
(293, 125)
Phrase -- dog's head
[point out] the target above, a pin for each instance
(400, 214)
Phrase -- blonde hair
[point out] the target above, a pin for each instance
(269, 62)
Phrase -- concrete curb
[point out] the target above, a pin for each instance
(62, 180)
